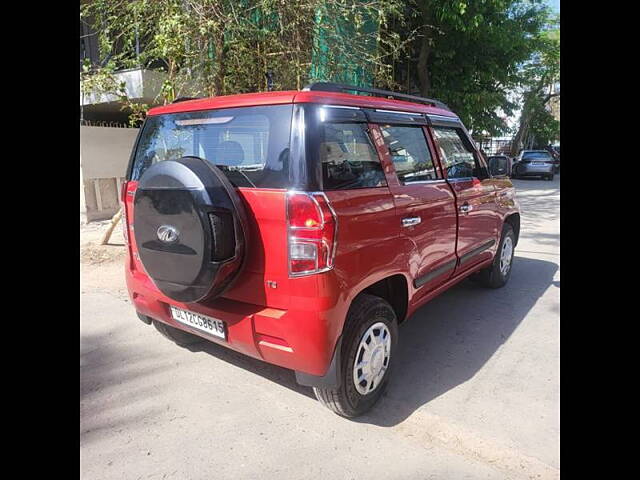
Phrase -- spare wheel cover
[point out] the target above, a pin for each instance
(190, 228)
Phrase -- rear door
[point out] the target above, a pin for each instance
(251, 146)
(425, 204)
(475, 193)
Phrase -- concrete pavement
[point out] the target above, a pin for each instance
(475, 393)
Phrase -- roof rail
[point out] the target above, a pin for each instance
(184, 99)
(340, 88)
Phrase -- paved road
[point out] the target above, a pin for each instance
(475, 395)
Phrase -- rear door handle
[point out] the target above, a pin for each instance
(466, 208)
(411, 221)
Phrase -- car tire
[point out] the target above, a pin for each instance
(550, 177)
(366, 312)
(179, 337)
(496, 276)
(519, 173)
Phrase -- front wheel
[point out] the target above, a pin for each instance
(497, 274)
(368, 348)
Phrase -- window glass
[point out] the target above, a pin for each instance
(409, 152)
(457, 159)
(250, 145)
(348, 157)
(537, 156)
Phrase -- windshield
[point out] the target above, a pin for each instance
(249, 144)
(536, 155)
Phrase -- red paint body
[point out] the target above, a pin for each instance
(297, 324)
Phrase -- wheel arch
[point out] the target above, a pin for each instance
(395, 290)
(392, 288)
(514, 220)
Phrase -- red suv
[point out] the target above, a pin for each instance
(302, 227)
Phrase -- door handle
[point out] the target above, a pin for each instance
(411, 221)
(466, 208)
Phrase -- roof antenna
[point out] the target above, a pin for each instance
(269, 76)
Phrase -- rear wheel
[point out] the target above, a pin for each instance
(368, 347)
(498, 273)
(179, 337)
(518, 172)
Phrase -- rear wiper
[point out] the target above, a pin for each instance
(235, 169)
(242, 168)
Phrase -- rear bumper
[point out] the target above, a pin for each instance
(300, 340)
(536, 171)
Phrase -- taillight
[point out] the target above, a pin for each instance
(312, 228)
(123, 191)
(123, 205)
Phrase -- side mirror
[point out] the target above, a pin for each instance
(498, 167)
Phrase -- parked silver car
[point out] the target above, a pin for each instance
(533, 163)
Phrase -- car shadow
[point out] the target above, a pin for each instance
(446, 342)
(108, 371)
(274, 373)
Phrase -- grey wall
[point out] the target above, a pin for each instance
(104, 156)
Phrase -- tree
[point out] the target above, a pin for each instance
(471, 54)
(217, 47)
(468, 54)
(537, 126)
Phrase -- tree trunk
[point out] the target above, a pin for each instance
(220, 59)
(523, 127)
(423, 65)
(518, 140)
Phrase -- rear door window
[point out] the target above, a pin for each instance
(537, 156)
(410, 154)
(348, 157)
(249, 144)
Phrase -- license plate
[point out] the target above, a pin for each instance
(538, 164)
(211, 326)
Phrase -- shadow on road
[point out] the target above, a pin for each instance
(274, 373)
(450, 339)
(444, 344)
(108, 372)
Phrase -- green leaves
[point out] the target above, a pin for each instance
(469, 53)
(474, 52)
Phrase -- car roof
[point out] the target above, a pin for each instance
(296, 96)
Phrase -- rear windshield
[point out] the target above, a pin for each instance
(249, 144)
(537, 155)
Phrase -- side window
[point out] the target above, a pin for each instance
(457, 159)
(410, 153)
(348, 157)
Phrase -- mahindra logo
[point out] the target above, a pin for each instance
(167, 233)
